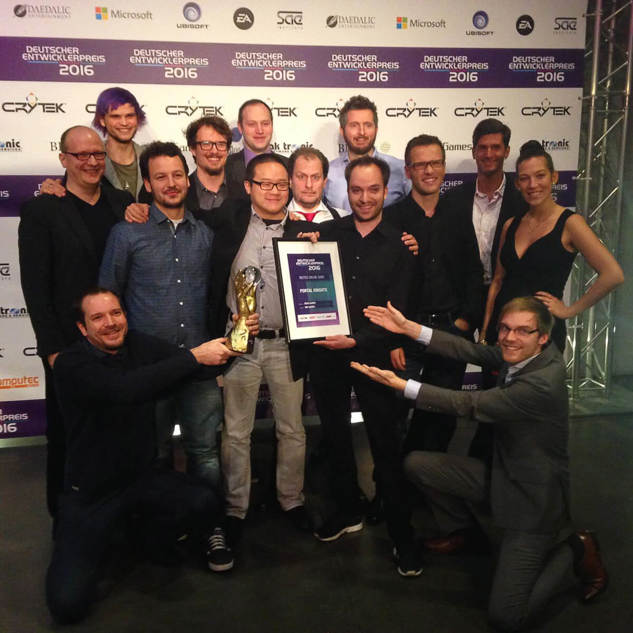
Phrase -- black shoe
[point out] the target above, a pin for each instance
(338, 525)
(219, 554)
(408, 561)
(299, 518)
(233, 528)
(375, 513)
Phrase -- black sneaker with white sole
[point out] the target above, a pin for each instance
(338, 525)
(219, 554)
(408, 560)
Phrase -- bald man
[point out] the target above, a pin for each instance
(61, 243)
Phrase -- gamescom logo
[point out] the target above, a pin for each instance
(403, 23)
(410, 109)
(525, 25)
(326, 112)
(479, 108)
(55, 11)
(31, 104)
(480, 22)
(351, 21)
(10, 146)
(103, 14)
(545, 108)
(243, 18)
(193, 107)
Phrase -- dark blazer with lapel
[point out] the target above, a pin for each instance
(58, 263)
(229, 223)
(459, 247)
(462, 198)
(529, 488)
(235, 170)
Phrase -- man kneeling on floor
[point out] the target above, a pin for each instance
(527, 486)
(107, 385)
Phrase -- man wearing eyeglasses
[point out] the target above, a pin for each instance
(244, 233)
(61, 242)
(446, 294)
(527, 486)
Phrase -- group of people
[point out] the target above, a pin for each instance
(129, 238)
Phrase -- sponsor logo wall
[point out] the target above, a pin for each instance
(432, 70)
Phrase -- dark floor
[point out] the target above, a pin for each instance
(285, 582)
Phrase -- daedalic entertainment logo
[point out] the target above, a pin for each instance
(351, 21)
(193, 106)
(47, 11)
(103, 14)
(403, 23)
(192, 13)
(243, 18)
(332, 111)
(479, 108)
(525, 24)
(32, 104)
(480, 21)
(565, 25)
(12, 145)
(290, 20)
(411, 109)
(546, 109)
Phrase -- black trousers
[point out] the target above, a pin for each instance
(55, 443)
(332, 381)
(153, 512)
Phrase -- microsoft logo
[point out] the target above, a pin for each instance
(401, 23)
(101, 13)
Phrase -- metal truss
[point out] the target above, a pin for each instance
(604, 130)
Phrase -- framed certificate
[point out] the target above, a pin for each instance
(312, 290)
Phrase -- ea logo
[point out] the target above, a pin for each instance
(525, 25)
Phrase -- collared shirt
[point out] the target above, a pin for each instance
(249, 154)
(322, 213)
(257, 250)
(485, 217)
(208, 199)
(336, 186)
(162, 273)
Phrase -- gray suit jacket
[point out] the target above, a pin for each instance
(529, 487)
(111, 175)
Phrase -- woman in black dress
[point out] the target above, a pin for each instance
(537, 250)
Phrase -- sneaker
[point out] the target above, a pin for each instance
(336, 526)
(407, 559)
(219, 554)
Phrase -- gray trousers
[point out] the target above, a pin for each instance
(531, 567)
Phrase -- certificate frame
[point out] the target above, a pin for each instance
(312, 289)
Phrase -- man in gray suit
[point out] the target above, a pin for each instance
(527, 486)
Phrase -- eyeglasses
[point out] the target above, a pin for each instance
(221, 146)
(85, 156)
(422, 165)
(268, 186)
(521, 332)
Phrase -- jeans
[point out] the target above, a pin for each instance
(197, 407)
(269, 361)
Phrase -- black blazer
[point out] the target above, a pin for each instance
(235, 170)
(459, 247)
(462, 198)
(229, 223)
(58, 263)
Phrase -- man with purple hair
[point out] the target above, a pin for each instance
(118, 116)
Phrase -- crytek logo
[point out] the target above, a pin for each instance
(480, 108)
(193, 107)
(410, 109)
(330, 112)
(31, 104)
(546, 108)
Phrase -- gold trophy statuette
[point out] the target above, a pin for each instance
(245, 282)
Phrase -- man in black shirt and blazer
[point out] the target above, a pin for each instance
(61, 242)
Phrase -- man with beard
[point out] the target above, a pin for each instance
(61, 242)
(359, 126)
(255, 123)
(118, 116)
(161, 270)
(375, 264)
